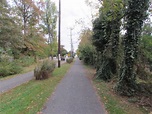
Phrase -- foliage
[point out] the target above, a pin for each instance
(31, 14)
(136, 13)
(63, 51)
(113, 103)
(22, 33)
(31, 96)
(144, 63)
(69, 60)
(87, 53)
(146, 47)
(49, 18)
(99, 36)
(106, 29)
(147, 28)
(9, 68)
(86, 50)
(25, 61)
(44, 70)
(105, 74)
(146, 41)
(10, 34)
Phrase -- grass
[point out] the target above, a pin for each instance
(30, 97)
(111, 103)
(25, 70)
(114, 104)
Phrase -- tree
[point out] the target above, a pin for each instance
(27, 12)
(145, 47)
(147, 29)
(136, 13)
(50, 20)
(30, 16)
(10, 34)
(106, 30)
(86, 50)
(63, 51)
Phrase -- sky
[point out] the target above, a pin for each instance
(72, 11)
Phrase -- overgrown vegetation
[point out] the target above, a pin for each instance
(27, 33)
(119, 47)
(69, 60)
(136, 14)
(86, 50)
(7, 68)
(113, 103)
(30, 97)
(44, 70)
(11, 67)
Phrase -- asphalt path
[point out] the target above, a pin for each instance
(74, 95)
(10, 83)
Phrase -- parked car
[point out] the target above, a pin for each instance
(62, 58)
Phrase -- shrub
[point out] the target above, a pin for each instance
(69, 60)
(9, 68)
(15, 68)
(26, 61)
(44, 70)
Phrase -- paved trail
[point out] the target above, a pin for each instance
(8, 84)
(74, 95)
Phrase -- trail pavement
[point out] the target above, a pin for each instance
(8, 84)
(74, 95)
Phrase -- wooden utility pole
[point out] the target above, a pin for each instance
(59, 34)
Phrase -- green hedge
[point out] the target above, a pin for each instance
(9, 68)
(25, 61)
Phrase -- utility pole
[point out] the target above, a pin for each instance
(59, 34)
(71, 42)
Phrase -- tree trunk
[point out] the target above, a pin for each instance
(135, 16)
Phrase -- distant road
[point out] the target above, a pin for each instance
(10, 83)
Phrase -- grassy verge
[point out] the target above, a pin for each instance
(29, 98)
(114, 104)
(25, 70)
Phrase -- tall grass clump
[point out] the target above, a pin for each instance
(44, 70)
(69, 60)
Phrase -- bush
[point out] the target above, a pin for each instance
(69, 60)
(9, 68)
(106, 69)
(26, 61)
(44, 70)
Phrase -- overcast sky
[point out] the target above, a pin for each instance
(72, 11)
